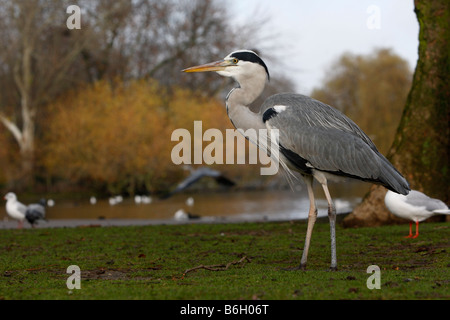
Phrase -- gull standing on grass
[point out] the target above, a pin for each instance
(415, 207)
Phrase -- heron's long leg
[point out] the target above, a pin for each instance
(332, 217)
(312, 217)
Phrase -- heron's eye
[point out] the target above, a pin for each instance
(235, 61)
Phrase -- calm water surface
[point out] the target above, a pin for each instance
(248, 205)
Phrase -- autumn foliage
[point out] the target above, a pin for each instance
(117, 136)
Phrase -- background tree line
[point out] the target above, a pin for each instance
(94, 108)
(41, 60)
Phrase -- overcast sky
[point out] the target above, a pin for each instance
(310, 35)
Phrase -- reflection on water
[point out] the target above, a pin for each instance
(248, 205)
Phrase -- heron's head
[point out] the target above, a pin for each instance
(239, 65)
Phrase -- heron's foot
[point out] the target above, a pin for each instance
(333, 268)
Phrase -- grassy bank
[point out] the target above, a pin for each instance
(243, 261)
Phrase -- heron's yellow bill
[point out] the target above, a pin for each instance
(213, 66)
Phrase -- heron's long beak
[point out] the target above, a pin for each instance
(213, 66)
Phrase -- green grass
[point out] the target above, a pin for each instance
(149, 262)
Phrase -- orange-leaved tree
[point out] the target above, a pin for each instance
(117, 136)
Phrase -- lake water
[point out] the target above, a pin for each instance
(224, 206)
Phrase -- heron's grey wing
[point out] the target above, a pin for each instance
(318, 136)
(331, 150)
(313, 113)
(418, 199)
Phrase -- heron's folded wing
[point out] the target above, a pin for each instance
(327, 140)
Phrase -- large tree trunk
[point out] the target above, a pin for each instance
(421, 147)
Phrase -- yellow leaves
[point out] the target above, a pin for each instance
(119, 134)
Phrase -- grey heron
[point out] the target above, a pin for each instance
(314, 139)
(416, 207)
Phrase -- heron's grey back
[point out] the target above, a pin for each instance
(330, 141)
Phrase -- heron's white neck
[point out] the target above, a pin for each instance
(238, 100)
